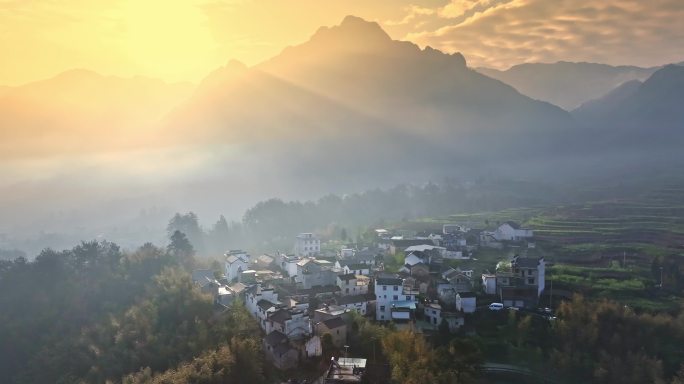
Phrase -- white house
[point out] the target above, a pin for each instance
(236, 262)
(413, 259)
(466, 302)
(394, 301)
(312, 272)
(292, 323)
(531, 271)
(433, 313)
(306, 244)
(359, 303)
(489, 283)
(261, 301)
(351, 284)
(511, 231)
(349, 266)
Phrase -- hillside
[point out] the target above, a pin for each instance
(567, 84)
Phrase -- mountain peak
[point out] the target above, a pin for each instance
(352, 30)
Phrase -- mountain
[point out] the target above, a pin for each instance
(353, 89)
(611, 102)
(80, 110)
(567, 84)
(650, 111)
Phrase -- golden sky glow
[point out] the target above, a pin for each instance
(185, 39)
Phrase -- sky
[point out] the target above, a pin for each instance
(183, 40)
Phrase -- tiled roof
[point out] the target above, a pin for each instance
(513, 224)
(388, 281)
(265, 304)
(275, 338)
(352, 299)
(335, 322)
(280, 316)
(526, 262)
(347, 277)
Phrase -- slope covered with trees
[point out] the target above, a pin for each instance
(95, 314)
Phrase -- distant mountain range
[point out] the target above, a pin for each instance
(646, 114)
(351, 99)
(567, 84)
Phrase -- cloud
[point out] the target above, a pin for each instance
(457, 8)
(502, 33)
(413, 12)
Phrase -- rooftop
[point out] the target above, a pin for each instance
(525, 262)
(352, 299)
(280, 316)
(334, 310)
(265, 304)
(275, 338)
(347, 277)
(335, 322)
(388, 281)
(422, 248)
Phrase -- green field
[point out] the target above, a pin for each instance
(603, 249)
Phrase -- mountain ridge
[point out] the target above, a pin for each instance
(567, 84)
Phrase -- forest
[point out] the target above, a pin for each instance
(96, 314)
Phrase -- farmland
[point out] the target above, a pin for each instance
(607, 248)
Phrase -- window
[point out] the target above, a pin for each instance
(396, 287)
(408, 298)
(530, 280)
(384, 287)
(347, 290)
(529, 272)
(395, 297)
(382, 307)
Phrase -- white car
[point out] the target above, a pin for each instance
(496, 306)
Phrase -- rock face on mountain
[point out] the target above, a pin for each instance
(352, 85)
(567, 84)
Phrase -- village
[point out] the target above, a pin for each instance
(303, 300)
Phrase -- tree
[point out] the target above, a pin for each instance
(181, 249)
(189, 225)
(410, 358)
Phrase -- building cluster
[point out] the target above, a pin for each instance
(302, 298)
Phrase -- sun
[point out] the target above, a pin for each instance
(168, 38)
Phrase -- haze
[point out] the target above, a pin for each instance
(115, 115)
